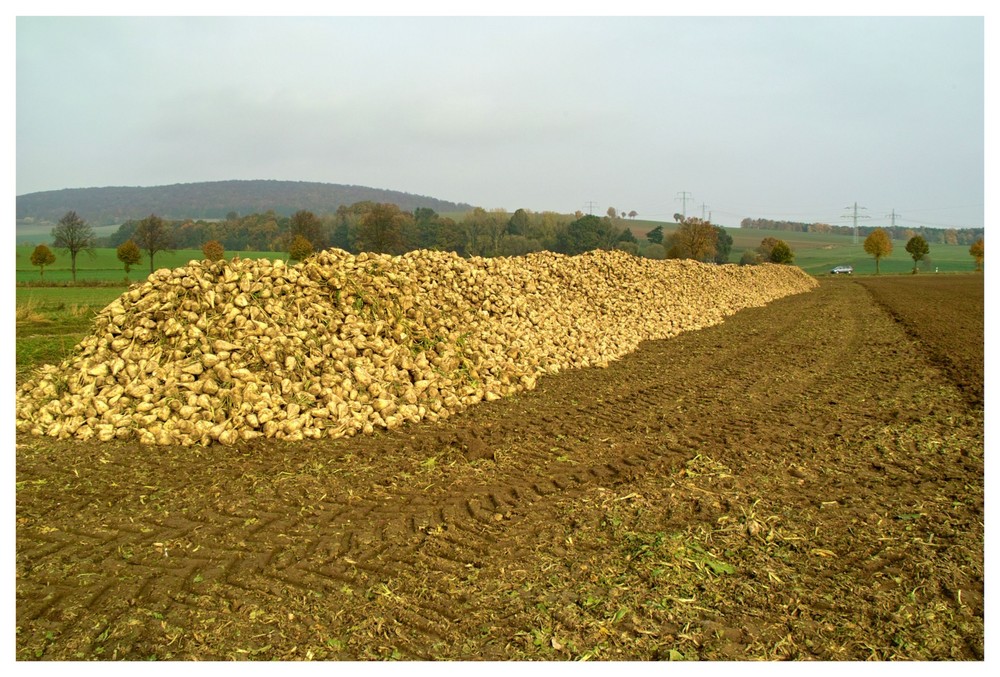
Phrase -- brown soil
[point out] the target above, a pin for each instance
(952, 338)
(804, 481)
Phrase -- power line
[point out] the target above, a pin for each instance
(821, 214)
(684, 197)
(940, 209)
(590, 205)
(855, 217)
(767, 213)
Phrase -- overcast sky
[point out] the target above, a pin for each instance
(784, 118)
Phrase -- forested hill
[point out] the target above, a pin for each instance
(211, 200)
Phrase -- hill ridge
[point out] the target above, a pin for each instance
(211, 199)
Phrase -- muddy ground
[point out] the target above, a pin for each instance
(804, 481)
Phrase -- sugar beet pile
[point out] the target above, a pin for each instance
(342, 344)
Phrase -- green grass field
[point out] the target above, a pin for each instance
(104, 266)
(817, 253)
(50, 321)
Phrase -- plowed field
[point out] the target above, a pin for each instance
(803, 481)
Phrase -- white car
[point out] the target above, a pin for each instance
(839, 270)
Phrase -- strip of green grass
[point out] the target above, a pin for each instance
(105, 266)
(49, 299)
(816, 253)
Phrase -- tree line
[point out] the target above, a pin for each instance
(955, 236)
(385, 228)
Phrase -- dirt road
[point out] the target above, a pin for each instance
(804, 481)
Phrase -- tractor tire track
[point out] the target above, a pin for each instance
(412, 521)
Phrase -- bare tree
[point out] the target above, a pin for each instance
(74, 235)
(151, 235)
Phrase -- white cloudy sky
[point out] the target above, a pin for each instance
(776, 117)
